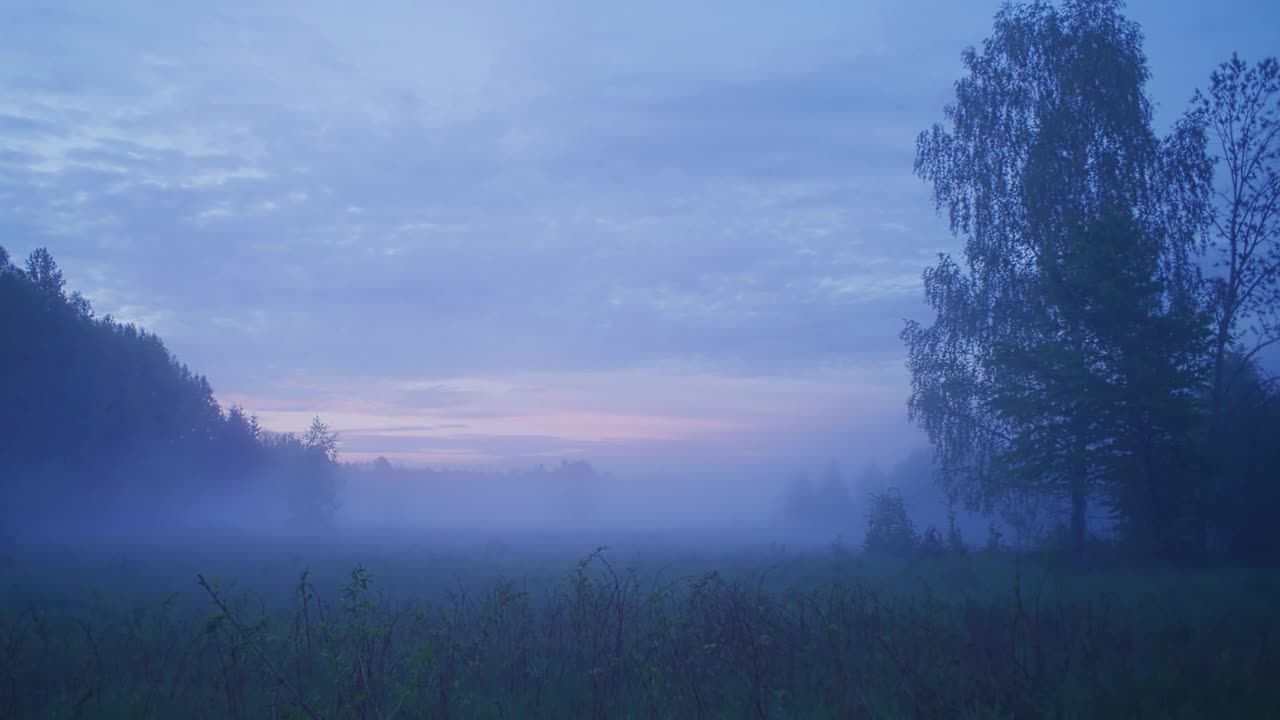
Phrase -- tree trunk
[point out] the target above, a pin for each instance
(1079, 486)
(1079, 510)
(1208, 514)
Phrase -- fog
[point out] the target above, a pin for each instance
(639, 360)
(568, 499)
(526, 272)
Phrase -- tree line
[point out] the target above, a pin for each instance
(1101, 338)
(93, 405)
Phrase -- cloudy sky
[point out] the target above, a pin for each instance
(504, 233)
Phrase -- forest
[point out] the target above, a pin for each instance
(100, 411)
(1089, 533)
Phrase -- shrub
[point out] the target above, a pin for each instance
(889, 528)
(931, 543)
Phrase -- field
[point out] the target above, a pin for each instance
(533, 626)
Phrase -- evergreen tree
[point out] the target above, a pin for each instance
(43, 272)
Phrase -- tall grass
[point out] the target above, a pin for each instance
(605, 641)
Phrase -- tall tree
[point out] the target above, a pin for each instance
(45, 274)
(1050, 173)
(1241, 114)
(1248, 491)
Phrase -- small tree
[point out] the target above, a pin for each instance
(832, 495)
(321, 439)
(312, 474)
(931, 543)
(889, 528)
(800, 498)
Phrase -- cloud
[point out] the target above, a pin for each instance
(649, 417)
(299, 229)
(305, 198)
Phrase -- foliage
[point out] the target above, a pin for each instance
(889, 528)
(931, 544)
(96, 409)
(321, 441)
(826, 504)
(1073, 339)
(956, 639)
(1240, 116)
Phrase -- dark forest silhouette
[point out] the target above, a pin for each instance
(95, 410)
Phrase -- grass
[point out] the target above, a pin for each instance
(767, 633)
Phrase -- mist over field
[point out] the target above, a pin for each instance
(651, 360)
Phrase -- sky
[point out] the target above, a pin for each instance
(646, 234)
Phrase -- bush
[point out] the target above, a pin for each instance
(931, 544)
(889, 528)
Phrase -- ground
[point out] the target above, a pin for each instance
(537, 625)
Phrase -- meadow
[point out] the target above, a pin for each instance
(541, 626)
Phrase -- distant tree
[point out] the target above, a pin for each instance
(241, 439)
(309, 472)
(320, 438)
(889, 527)
(5, 264)
(242, 427)
(574, 486)
(873, 478)
(45, 274)
(931, 544)
(833, 494)
(80, 304)
(800, 500)
(826, 504)
(381, 465)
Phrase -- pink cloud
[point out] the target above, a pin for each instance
(519, 418)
